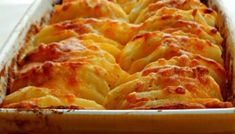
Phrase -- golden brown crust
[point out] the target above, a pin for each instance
(182, 105)
(93, 8)
(148, 47)
(69, 49)
(171, 23)
(127, 5)
(216, 70)
(167, 87)
(172, 53)
(178, 4)
(139, 6)
(74, 50)
(34, 97)
(67, 77)
(203, 16)
(119, 31)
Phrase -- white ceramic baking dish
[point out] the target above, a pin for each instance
(113, 121)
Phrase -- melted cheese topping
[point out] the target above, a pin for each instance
(45, 98)
(127, 5)
(139, 6)
(148, 47)
(204, 16)
(167, 87)
(123, 54)
(72, 50)
(216, 70)
(177, 4)
(79, 78)
(171, 23)
(92, 8)
(119, 31)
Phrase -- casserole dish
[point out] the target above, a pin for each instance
(112, 121)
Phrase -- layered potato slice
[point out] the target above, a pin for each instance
(71, 48)
(139, 6)
(185, 59)
(215, 69)
(92, 8)
(74, 50)
(81, 79)
(169, 87)
(148, 47)
(205, 16)
(172, 23)
(179, 4)
(118, 31)
(127, 5)
(35, 97)
(104, 43)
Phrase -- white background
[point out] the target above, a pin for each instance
(11, 11)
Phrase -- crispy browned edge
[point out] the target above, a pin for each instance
(228, 55)
(10, 67)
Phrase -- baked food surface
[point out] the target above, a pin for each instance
(123, 54)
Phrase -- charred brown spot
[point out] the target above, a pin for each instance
(180, 90)
(217, 104)
(145, 36)
(194, 13)
(153, 6)
(43, 53)
(213, 31)
(200, 71)
(191, 87)
(90, 21)
(148, 71)
(47, 66)
(131, 97)
(71, 78)
(178, 17)
(66, 6)
(64, 107)
(208, 11)
(139, 86)
(175, 105)
(199, 46)
(194, 63)
(166, 17)
(74, 65)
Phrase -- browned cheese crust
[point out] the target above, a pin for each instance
(123, 54)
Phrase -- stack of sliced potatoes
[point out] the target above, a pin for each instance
(123, 54)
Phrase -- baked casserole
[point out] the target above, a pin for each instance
(123, 54)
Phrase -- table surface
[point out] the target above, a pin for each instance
(11, 11)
